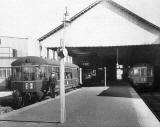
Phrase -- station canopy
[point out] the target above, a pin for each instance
(102, 27)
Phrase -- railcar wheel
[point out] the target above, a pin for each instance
(34, 98)
(26, 99)
(38, 96)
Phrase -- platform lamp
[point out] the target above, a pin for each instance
(117, 65)
(62, 53)
(105, 77)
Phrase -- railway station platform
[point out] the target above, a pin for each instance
(117, 105)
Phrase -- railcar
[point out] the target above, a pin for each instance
(142, 76)
(89, 77)
(30, 74)
(93, 77)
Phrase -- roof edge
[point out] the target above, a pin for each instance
(71, 20)
(118, 9)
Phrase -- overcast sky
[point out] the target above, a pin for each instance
(33, 18)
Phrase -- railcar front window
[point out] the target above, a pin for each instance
(17, 73)
(28, 73)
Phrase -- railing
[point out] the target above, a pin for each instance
(6, 52)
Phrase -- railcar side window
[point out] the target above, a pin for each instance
(68, 75)
(136, 72)
(143, 71)
(74, 72)
(41, 72)
(150, 72)
(57, 69)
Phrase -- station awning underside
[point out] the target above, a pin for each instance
(126, 55)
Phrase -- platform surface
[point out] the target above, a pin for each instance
(115, 106)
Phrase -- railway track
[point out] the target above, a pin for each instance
(152, 99)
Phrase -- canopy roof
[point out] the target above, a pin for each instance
(102, 24)
(33, 60)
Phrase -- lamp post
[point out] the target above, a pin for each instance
(105, 85)
(63, 53)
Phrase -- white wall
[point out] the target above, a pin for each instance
(24, 46)
(20, 44)
(43, 50)
(33, 47)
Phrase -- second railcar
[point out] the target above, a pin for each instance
(142, 76)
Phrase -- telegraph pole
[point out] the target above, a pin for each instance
(63, 51)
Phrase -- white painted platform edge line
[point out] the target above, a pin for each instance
(33, 105)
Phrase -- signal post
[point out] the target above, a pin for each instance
(62, 52)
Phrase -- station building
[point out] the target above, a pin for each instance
(107, 34)
(12, 48)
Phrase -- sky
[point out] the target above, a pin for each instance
(34, 18)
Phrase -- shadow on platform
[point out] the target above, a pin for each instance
(119, 89)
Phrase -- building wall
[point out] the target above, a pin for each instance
(33, 47)
(24, 46)
(20, 44)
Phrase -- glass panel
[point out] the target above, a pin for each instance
(143, 71)
(68, 75)
(42, 72)
(16, 73)
(136, 71)
(28, 73)
(150, 72)
(57, 72)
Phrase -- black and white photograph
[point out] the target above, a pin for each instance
(80, 63)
